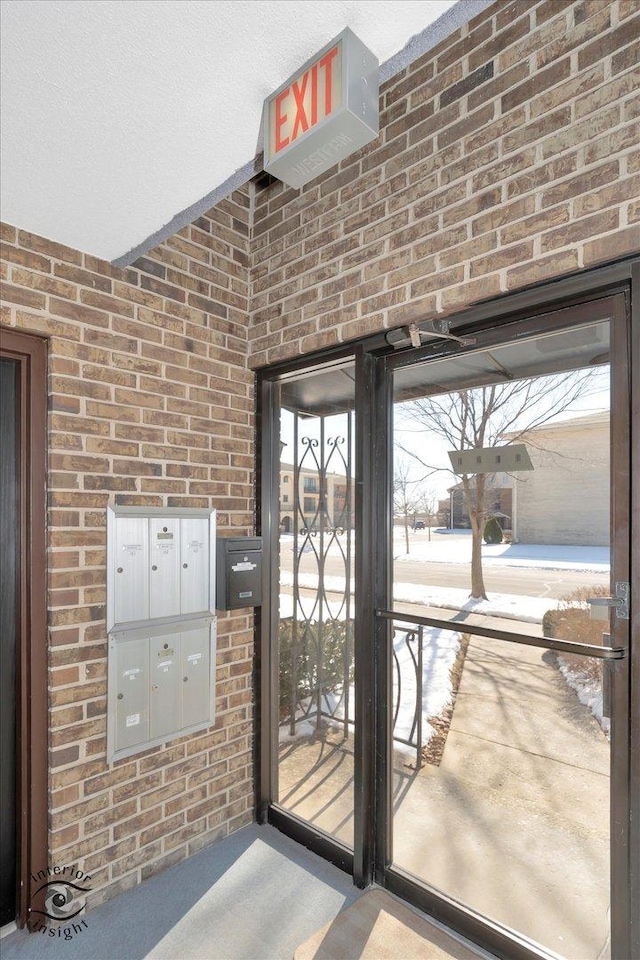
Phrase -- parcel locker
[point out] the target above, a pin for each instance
(164, 677)
(130, 569)
(164, 576)
(131, 681)
(194, 567)
(197, 692)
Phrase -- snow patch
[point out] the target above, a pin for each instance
(505, 605)
(456, 548)
(589, 692)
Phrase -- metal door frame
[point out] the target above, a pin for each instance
(492, 322)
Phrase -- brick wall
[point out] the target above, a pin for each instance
(150, 403)
(507, 155)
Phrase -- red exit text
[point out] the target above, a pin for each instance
(306, 101)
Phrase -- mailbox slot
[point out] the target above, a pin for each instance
(194, 569)
(131, 676)
(129, 566)
(164, 700)
(164, 574)
(239, 578)
(195, 677)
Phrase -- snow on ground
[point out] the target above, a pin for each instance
(454, 546)
(589, 692)
(440, 648)
(508, 606)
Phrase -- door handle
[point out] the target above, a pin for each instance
(620, 601)
(607, 681)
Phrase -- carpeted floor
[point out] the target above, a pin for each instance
(255, 895)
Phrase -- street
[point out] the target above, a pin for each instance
(523, 581)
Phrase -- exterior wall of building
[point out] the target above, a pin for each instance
(308, 496)
(150, 402)
(565, 498)
(507, 155)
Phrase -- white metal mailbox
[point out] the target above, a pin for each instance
(194, 569)
(195, 651)
(131, 688)
(164, 577)
(160, 564)
(164, 680)
(129, 570)
(162, 632)
(161, 685)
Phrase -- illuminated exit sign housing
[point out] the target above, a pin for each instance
(327, 110)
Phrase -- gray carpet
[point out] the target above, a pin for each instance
(254, 896)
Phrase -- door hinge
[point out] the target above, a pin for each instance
(620, 602)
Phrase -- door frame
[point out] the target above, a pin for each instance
(30, 355)
(374, 356)
(479, 928)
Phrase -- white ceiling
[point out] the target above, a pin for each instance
(117, 115)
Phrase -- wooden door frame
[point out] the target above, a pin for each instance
(30, 355)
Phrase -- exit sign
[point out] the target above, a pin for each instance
(323, 113)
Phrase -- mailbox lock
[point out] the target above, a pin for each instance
(155, 686)
(154, 567)
(119, 570)
(184, 679)
(121, 696)
(165, 646)
(184, 566)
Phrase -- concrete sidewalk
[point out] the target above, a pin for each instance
(515, 821)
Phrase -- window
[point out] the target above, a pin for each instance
(310, 485)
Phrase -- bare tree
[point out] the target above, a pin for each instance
(487, 417)
(428, 507)
(405, 496)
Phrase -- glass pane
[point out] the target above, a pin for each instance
(501, 519)
(509, 813)
(316, 667)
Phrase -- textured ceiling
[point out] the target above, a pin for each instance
(119, 114)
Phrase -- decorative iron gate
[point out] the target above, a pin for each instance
(316, 641)
(317, 670)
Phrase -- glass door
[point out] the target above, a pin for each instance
(507, 666)
(313, 625)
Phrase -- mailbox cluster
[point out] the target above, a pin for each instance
(160, 618)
